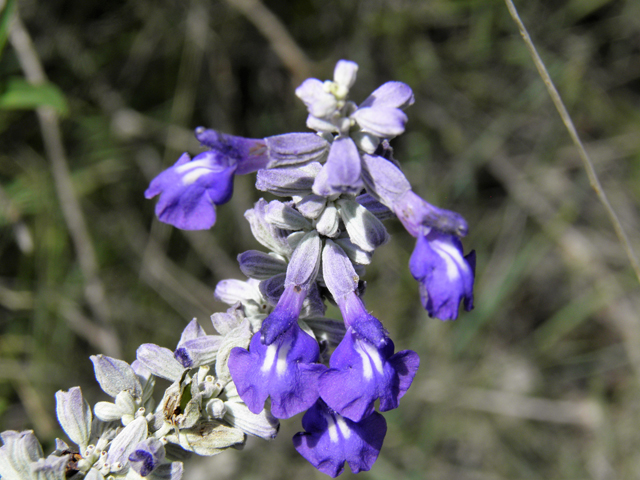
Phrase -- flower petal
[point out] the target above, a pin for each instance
(355, 315)
(319, 102)
(190, 189)
(384, 122)
(74, 416)
(284, 315)
(345, 73)
(391, 95)
(115, 376)
(147, 456)
(284, 370)
(445, 275)
(295, 148)
(331, 440)
(342, 170)
(361, 373)
(248, 154)
(415, 214)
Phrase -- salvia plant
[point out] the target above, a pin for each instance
(335, 187)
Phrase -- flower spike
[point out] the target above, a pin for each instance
(335, 187)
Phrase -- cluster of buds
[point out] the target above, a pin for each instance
(133, 437)
(336, 187)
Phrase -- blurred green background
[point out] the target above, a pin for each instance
(540, 381)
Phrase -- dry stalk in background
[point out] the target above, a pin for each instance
(584, 156)
(72, 212)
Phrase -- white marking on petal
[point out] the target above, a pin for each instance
(192, 171)
(281, 365)
(367, 371)
(374, 355)
(269, 357)
(331, 428)
(454, 261)
(194, 175)
(344, 428)
(192, 165)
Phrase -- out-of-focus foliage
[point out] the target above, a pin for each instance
(18, 94)
(540, 381)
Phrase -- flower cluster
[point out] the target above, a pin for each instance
(334, 187)
(131, 437)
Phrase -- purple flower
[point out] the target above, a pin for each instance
(361, 373)
(147, 456)
(195, 347)
(284, 370)
(356, 317)
(190, 189)
(445, 275)
(342, 281)
(281, 359)
(386, 182)
(331, 440)
(415, 214)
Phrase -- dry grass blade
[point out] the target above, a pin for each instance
(583, 413)
(578, 251)
(52, 137)
(584, 156)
